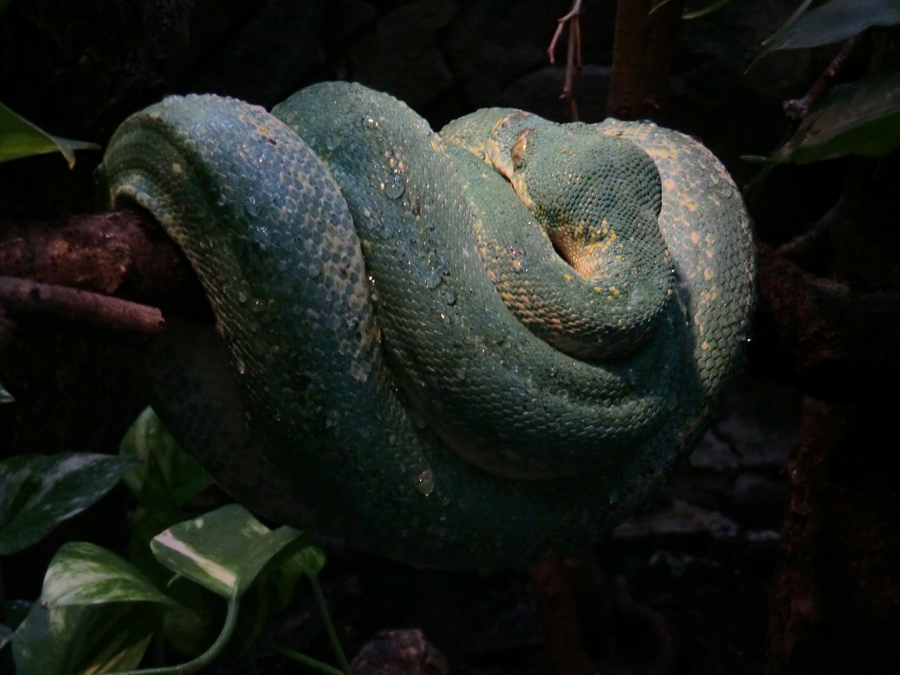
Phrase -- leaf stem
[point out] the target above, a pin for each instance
(205, 658)
(305, 660)
(329, 625)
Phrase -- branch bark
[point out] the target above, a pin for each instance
(822, 337)
(642, 58)
(836, 597)
(123, 254)
(815, 334)
(95, 312)
(558, 613)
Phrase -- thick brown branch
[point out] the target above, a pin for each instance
(124, 254)
(816, 334)
(642, 58)
(557, 610)
(822, 337)
(577, 607)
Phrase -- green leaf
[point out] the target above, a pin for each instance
(6, 634)
(147, 436)
(21, 138)
(709, 9)
(862, 118)
(833, 21)
(85, 574)
(5, 396)
(788, 25)
(83, 639)
(16, 611)
(123, 652)
(37, 492)
(222, 550)
(191, 625)
(274, 588)
(156, 510)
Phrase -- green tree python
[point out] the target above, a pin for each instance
(461, 350)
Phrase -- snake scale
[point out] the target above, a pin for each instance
(460, 350)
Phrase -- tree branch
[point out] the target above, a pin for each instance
(642, 58)
(573, 56)
(123, 254)
(798, 108)
(93, 311)
(817, 334)
(821, 336)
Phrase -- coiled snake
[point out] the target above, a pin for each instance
(461, 349)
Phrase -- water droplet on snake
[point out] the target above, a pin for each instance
(425, 482)
(395, 188)
(360, 370)
(433, 279)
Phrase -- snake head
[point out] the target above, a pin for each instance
(594, 195)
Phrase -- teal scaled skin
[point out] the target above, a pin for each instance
(598, 199)
(368, 379)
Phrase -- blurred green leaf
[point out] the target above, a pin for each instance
(147, 436)
(82, 573)
(83, 639)
(704, 11)
(5, 396)
(788, 25)
(862, 118)
(834, 21)
(37, 492)
(6, 634)
(273, 590)
(20, 138)
(156, 510)
(222, 550)
(312, 559)
(191, 625)
(16, 611)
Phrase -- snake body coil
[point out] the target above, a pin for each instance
(459, 350)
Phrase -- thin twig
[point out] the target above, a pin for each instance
(92, 310)
(573, 55)
(798, 108)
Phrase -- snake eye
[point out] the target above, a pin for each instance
(518, 150)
